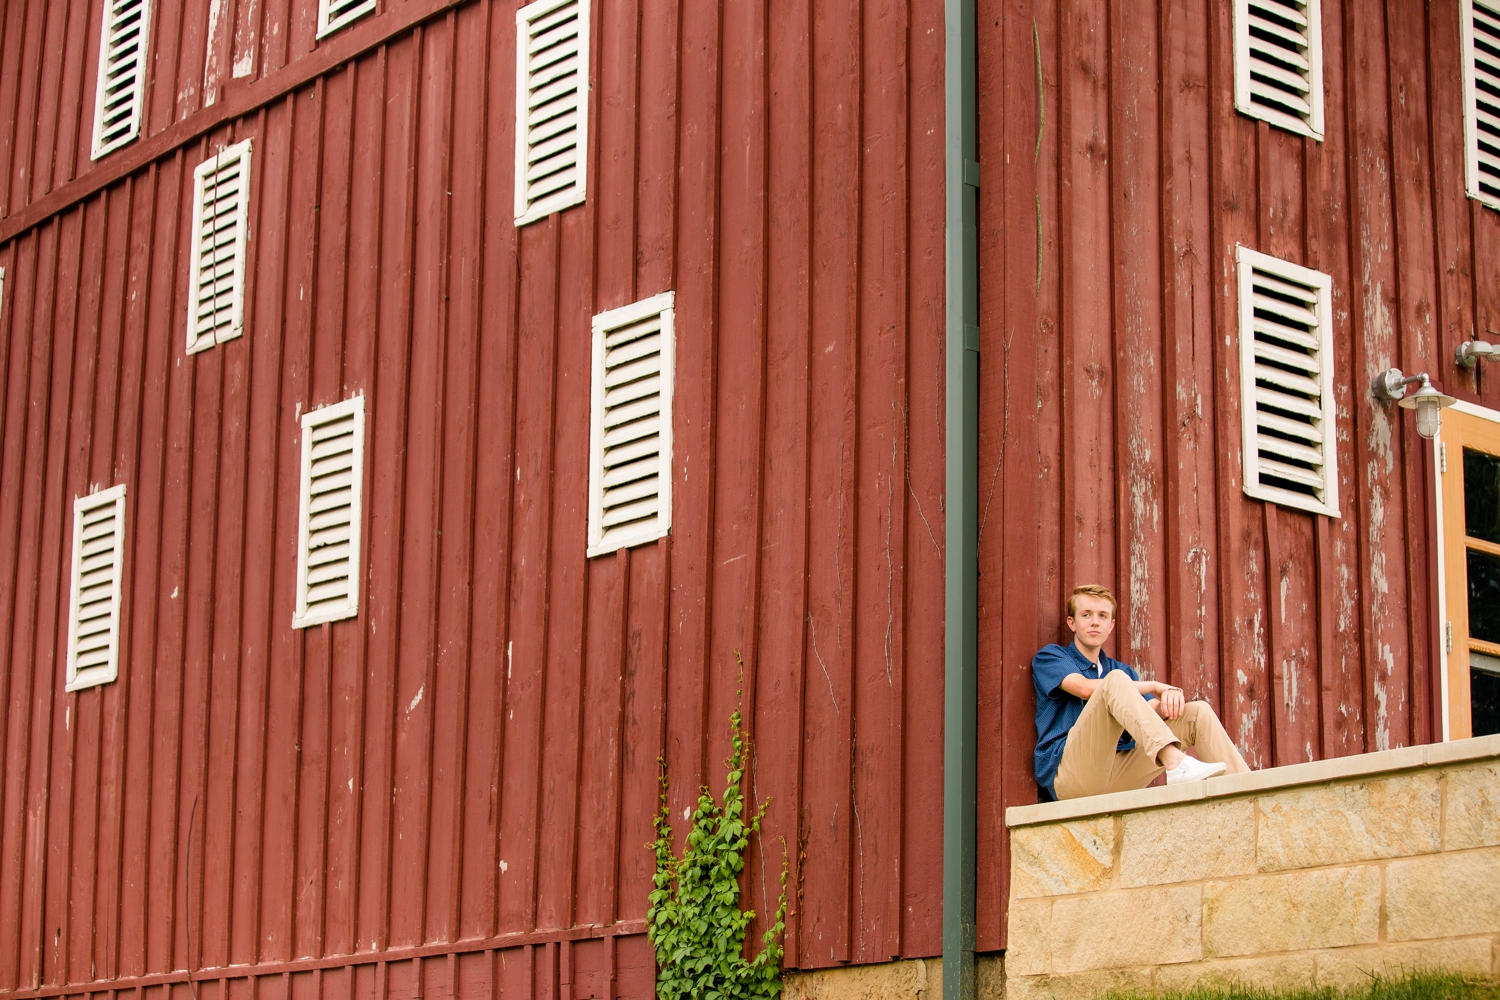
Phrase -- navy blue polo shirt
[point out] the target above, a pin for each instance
(1056, 710)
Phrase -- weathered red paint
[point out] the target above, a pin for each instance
(1110, 384)
(452, 792)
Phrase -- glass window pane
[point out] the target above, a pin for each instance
(1482, 495)
(1484, 694)
(1484, 596)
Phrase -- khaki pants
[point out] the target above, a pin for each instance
(1091, 766)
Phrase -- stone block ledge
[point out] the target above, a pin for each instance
(1318, 772)
(1312, 874)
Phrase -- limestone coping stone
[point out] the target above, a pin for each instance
(1290, 776)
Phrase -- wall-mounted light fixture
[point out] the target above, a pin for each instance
(1427, 401)
(1468, 353)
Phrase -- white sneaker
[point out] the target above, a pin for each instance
(1193, 769)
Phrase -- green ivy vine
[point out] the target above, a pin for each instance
(695, 921)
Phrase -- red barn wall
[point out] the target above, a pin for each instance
(1111, 205)
(452, 793)
(328, 810)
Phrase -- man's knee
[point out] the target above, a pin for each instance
(1118, 680)
(1197, 713)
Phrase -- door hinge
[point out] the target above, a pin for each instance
(1448, 628)
(1442, 456)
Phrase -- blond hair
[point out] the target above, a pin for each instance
(1092, 590)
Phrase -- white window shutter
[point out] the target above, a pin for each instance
(1286, 384)
(1278, 63)
(216, 264)
(335, 14)
(94, 605)
(552, 106)
(1480, 32)
(121, 88)
(328, 520)
(630, 433)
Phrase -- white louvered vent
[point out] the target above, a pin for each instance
(94, 608)
(216, 266)
(1481, 58)
(1278, 63)
(630, 435)
(121, 88)
(335, 14)
(328, 530)
(552, 106)
(1286, 384)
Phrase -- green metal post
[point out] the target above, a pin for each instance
(961, 602)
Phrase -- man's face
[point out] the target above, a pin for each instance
(1092, 621)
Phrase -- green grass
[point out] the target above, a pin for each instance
(1415, 986)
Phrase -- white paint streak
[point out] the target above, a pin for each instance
(1386, 659)
(416, 700)
(1379, 470)
(1145, 512)
(1258, 638)
(1289, 673)
(244, 37)
(1197, 560)
(211, 68)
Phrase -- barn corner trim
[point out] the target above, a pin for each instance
(961, 570)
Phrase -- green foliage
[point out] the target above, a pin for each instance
(695, 921)
(1414, 985)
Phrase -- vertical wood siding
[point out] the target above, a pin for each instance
(453, 792)
(1112, 203)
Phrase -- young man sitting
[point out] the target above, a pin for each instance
(1100, 728)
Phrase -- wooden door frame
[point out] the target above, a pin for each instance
(1456, 660)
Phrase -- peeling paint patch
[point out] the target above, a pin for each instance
(1289, 687)
(1197, 560)
(1386, 660)
(1145, 518)
(211, 68)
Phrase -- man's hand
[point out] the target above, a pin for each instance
(1170, 701)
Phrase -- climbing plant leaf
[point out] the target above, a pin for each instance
(695, 921)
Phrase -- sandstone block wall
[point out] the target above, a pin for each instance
(910, 979)
(1316, 874)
